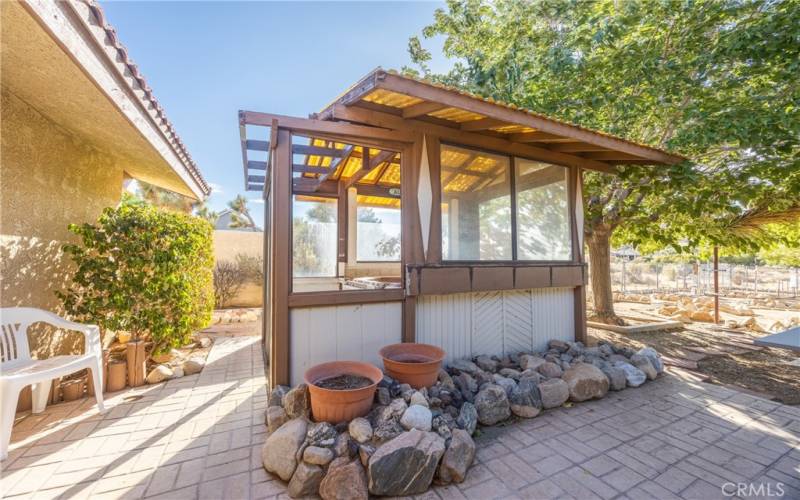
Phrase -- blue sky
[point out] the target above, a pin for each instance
(206, 60)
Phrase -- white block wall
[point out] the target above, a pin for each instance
(338, 333)
(467, 324)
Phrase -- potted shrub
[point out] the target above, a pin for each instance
(145, 272)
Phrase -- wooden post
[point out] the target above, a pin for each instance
(136, 363)
(281, 235)
(716, 284)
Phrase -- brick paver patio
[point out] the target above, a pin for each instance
(200, 437)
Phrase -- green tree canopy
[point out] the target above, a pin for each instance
(713, 80)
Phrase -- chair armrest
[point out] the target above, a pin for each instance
(91, 333)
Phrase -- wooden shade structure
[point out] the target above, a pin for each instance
(385, 137)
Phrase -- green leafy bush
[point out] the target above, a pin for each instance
(145, 271)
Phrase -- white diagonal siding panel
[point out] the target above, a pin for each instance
(467, 324)
(346, 332)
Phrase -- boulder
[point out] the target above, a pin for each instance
(492, 405)
(297, 402)
(585, 382)
(550, 370)
(321, 434)
(486, 363)
(276, 417)
(615, 376)
(364, 452)
(345, 446)
(510, 373)
(305, 480)
(467, 385)
(419, 399)
(457, 459)
(529, 362)
(643, 363)
(554, 392)
(317, 456)
(525, 399)
(345, 480)
(558, 345)
(468, 418)
(159, 374)
(276, 395)
(416, 417)
(360, 429)
(506, 383)
(465, 366)
(633, 376)
(193, 365)
(280, 449)
(406, 464)
(654, 358)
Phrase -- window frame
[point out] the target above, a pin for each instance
(515, 260)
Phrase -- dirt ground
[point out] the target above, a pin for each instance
(766, 372)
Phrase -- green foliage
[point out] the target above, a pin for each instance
(143, 270)
(714, 80)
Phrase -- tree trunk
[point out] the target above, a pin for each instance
(599, 243)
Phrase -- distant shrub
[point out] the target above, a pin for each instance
(252, 266)
(145, 271)
(228, 281)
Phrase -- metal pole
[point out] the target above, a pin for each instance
(716, 284)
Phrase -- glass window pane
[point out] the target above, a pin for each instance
(314, 236)
(543, 229)
(476, 205)
(378, 237)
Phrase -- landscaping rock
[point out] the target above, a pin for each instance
(615, 376)
(558, 345)
(321, 434)
(492, 405)
(446, 380)
(465, 366)
(277, 394)
(280, 449)
(525, 399)
(345, 446)
(468, 418)
(510, 373)
(467, 385)
(457, 459)
(305, 480)
(360, 429)
(364, 452)
(205, 342)
(482, 378)
(276, 417)
(654, 358)
(386, 422)
(406, 464)
(345, 480)
(486, 363)
(419, 399)
(529, 362)
(193, 365)
(643, 363)
(297, 402)
(506, 383)
(550, 370)
(416, 417)
(159, 374)
(554, 392)
(317, 455)
(585, 382)
(383, 395)
(633, 376)
(177, 371)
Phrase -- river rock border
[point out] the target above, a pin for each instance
(413, 438)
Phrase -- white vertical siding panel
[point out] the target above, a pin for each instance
(346, 332)
(466, 324)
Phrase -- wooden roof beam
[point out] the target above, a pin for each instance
(414, 88)
(482, 124)
(536, 136)
(577, 147)
(422, 108)
(335, 164)
(609, 155)
(369, 163)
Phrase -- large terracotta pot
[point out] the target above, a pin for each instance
(336, 406)
(414, 364)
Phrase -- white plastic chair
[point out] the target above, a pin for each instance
(19, 370)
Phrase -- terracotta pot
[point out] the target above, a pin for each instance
(414, 364)
(73, 389)
(336, 406)
(117, 370)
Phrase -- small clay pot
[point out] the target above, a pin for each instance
(72, 389)
(414, 364)
(334, 406)
(117, 370)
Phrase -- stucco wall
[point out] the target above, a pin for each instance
(227, 245)
(49, 178)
